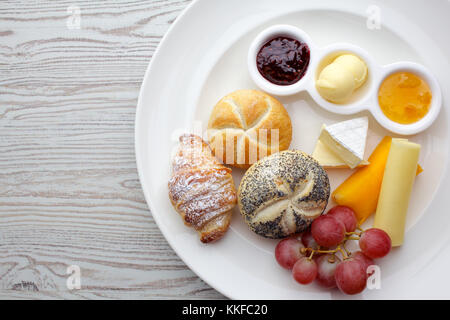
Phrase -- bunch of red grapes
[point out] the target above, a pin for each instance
(312, 255)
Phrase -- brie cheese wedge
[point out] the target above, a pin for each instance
(328, 159)
(345, 140)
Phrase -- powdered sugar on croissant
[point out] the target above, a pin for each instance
(201, 189)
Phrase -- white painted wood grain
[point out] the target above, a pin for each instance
(69, 189)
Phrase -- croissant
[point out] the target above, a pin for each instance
(201, 190)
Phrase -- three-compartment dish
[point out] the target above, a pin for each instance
(366, 97)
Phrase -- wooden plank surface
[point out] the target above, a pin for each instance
(69, 188)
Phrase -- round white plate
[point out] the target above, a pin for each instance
(203, 57)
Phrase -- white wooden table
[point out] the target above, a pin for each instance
(70, 74)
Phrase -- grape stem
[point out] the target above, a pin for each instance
(343, 246)
(353, 233)
(333, 251)
(343, 252)
(340, 247)
(332, 259)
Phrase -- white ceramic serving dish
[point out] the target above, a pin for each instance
(364, 98)
(180, 89)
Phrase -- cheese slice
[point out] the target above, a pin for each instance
(398, 180)
(328, 159)
(347, 140)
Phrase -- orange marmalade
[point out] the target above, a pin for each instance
(404, 97)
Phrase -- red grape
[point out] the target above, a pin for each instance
(358, 255)
(326, 269)
(350, 276)
(345, 215)
(304, 270)
(287, 252)
(375, 243)
(308, 241)
(327, 231)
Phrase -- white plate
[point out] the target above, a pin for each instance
(203, 57)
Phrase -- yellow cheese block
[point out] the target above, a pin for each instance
(398, 180)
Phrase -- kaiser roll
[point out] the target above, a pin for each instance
(282, 194)
(247, 125)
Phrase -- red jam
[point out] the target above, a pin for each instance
(283, 60)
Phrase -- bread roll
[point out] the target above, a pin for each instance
(282, 194)
(201, 189)
(246, 126)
